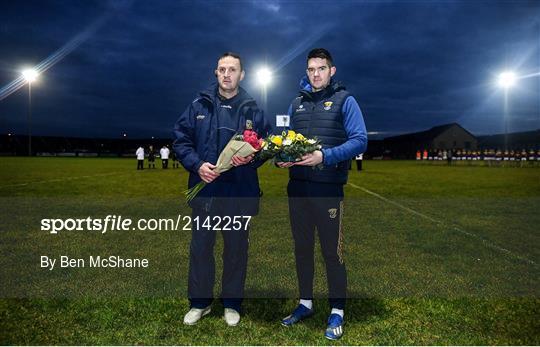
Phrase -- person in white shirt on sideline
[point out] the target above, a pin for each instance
(140, 158)
(164, 154)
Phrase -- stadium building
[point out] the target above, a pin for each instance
(442, 137)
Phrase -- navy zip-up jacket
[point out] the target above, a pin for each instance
(353, 122)
(202, 132)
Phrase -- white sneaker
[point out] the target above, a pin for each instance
(232, 317)
(195, 314)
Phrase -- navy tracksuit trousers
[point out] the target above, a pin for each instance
(314, 205)
(202, 264)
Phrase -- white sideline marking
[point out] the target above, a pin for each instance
(59, 180)
(486, 242)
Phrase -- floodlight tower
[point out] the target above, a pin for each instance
(30, 75)
(506, 80)
(264, 78)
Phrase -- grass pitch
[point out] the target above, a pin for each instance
(434, 254)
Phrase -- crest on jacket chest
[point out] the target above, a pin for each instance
(328, 105)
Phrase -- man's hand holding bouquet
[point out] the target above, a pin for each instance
(289, 148)
(240, 150)
(296, 149)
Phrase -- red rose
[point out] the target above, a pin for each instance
(250, 137)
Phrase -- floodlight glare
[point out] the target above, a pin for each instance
(30, 75)
(264, 76)
(506, 79)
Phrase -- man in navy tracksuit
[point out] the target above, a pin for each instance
(324, 109)
(201, 133)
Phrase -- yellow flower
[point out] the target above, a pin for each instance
(300, 137)
(277, 140)
(291, 135)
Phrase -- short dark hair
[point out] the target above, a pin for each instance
(321, 53)
(234, 55)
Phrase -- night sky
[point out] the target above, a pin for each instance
(134, 66)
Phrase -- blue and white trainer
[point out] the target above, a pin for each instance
(298, 314)
(334, 330)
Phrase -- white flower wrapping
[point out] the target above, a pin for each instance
(224, 162)
(234, 147)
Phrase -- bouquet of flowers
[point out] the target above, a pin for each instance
(243, 145)
(288, 147)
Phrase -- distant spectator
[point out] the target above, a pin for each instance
(512, 155)
(490, 155)
(531, 155)
(499, 155)
(454, 154)
(175, 163)
(164, 154)
(359, 159)
(523, 155)
(140, 158)
(151, 158)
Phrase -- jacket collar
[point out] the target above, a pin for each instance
(210, 94)
(307, 89)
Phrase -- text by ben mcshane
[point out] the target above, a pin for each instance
(112, 261)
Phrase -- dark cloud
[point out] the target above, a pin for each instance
(412, 65)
